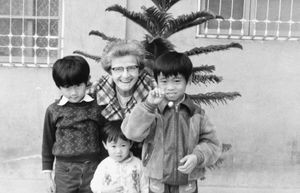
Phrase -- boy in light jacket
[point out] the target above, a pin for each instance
(179, 141)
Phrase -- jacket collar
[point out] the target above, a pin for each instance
(64, 100)
(187, 102)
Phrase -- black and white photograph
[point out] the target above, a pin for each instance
(150, 96)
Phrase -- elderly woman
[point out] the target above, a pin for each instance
(127, 82)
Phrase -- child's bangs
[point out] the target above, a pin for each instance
(74, 78)
(172, 64)
(168, 70)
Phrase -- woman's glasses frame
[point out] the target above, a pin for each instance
(121, 69)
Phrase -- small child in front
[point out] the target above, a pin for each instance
(179, 141)
(72, 130)
(120, 171)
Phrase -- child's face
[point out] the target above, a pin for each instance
(74, 93)
(119, 150)
(173, 86)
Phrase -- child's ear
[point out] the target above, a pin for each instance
(104, 144)
(88, 82)
(190, 80)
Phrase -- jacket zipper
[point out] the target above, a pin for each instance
(176, 142)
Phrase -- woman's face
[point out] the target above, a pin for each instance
(125, 73)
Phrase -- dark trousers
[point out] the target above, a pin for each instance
(73, 177)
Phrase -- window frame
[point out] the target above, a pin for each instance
(34, 60)
(248, 29)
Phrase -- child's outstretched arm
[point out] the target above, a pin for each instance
(136, 126)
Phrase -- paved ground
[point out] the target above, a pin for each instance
(22, 176)
(25, 176)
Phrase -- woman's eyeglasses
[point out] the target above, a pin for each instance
(129, 69)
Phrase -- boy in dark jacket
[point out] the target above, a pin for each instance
(179, 140)
(72, 130)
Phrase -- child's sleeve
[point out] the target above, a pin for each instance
(98, 179)
(48, 141)
(208, 149)
(136, 126)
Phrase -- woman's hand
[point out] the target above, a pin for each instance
(155, 96)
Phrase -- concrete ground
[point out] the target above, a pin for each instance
(24, 176)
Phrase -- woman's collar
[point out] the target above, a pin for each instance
(106, 90)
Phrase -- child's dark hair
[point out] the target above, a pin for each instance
(70, 70)
(112, 132)
(173, 63)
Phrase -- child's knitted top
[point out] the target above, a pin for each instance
(72, 132)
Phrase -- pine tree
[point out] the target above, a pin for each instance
(160, 25)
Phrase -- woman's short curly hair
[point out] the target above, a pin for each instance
(119, 48)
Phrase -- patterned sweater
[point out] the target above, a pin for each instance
(72, 132)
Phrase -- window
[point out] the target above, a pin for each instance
(252, 19)
(30, 32)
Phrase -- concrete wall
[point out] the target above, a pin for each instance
(262, 125)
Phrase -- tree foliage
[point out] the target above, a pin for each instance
(160, 25)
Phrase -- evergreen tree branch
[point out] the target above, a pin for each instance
(93, 57)
(188, 20)
(214, 97)
(217, 164)
(164, 5)
(204, 69)
(138, 18)
(203, 78)
(157, 20)
(212, 48)
(103, 36)
(225, 148)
